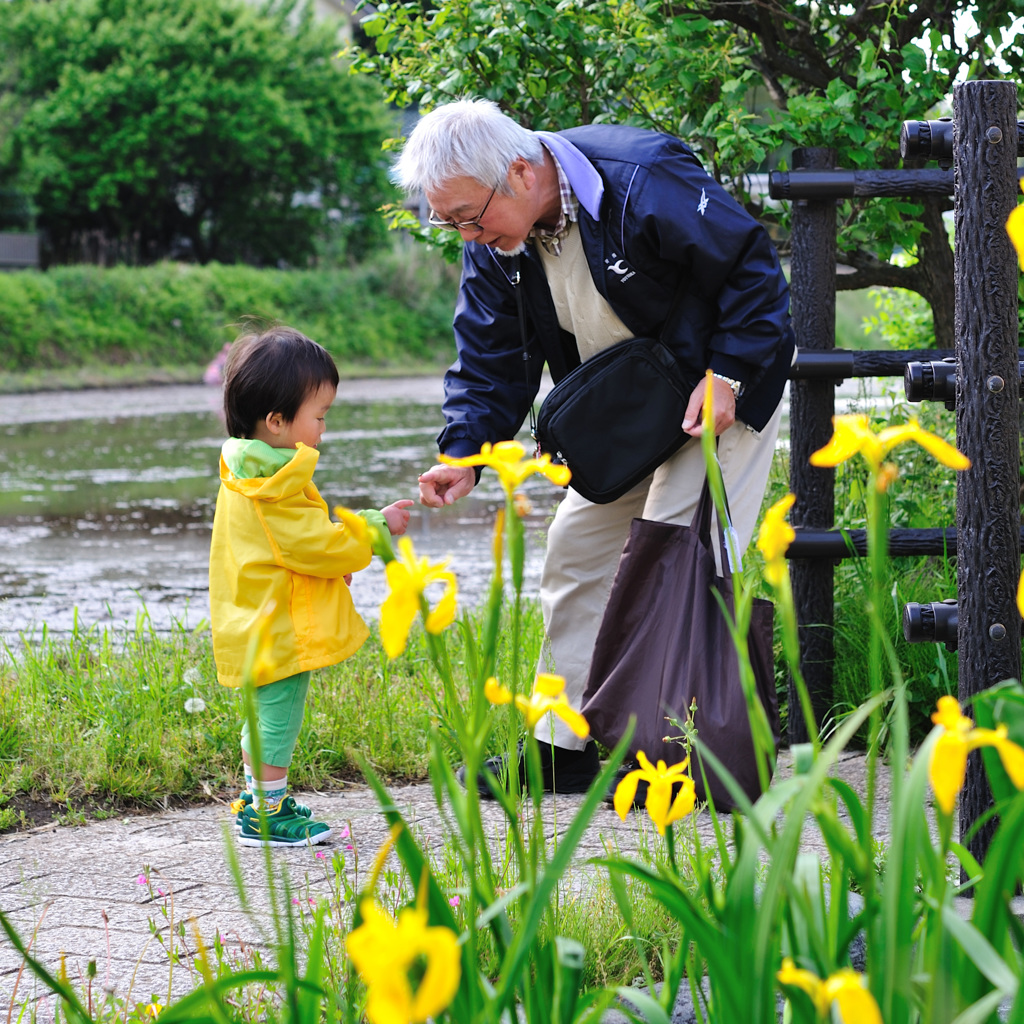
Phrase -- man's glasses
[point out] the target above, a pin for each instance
(473, 226)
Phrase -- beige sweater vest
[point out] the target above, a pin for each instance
(582, 310)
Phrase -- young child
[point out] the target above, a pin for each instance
(275, 546)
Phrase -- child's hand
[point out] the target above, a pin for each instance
(348, 579)
(397, 516)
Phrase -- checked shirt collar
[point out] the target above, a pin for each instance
(551, 238)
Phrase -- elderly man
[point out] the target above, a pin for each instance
(609, 232)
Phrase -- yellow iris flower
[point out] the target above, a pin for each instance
(548, 695)
(506, 459)
(948, 765)
(1020, 595)
(388, 954)
(845, 988)
(774, 538)
(408, 577)
(1015, 229)
(660, 780)
(852, 435)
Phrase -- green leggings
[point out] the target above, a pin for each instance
(279, 710)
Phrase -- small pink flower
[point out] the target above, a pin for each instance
(349, 847)
(454, 901)
(142, 880)
(160, 892)
(320, 854)
(295, 900)
(312, 901)
(344, 832)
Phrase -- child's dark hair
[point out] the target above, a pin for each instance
(274, 370)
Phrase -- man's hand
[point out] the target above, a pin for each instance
(724, 404)
(444, 485)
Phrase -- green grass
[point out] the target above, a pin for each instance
(80, 327)
(102, 718)
(924, 495)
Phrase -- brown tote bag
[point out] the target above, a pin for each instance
(664, 642)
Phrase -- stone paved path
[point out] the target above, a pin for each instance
(81, 891)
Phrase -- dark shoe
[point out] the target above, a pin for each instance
(562, 770)
(621, 772)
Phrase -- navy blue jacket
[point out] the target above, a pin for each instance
(661, 237)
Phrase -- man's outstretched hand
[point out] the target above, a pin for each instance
(444, 485)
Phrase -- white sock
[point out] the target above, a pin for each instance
(268, 794)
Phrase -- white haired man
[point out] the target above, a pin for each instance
(611, 232)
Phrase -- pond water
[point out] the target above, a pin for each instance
(107, 499)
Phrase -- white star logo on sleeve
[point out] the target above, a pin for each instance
(703, 204)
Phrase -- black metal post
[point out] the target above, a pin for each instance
(988, 387)
(811, 407)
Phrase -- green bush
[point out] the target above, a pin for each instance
(395, 309)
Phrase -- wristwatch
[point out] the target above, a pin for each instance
(736, 385)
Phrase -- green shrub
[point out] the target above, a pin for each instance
(392, 310)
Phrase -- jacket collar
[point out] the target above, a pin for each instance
(586, 182)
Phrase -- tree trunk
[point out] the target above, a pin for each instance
(936, 263)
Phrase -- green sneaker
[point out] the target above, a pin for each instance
(286, 827)
(245, 800)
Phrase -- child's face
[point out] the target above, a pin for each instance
(308, 425)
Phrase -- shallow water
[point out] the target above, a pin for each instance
(107, 498)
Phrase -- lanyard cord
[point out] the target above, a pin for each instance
(516, 288)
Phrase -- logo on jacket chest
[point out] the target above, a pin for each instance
(618, 268)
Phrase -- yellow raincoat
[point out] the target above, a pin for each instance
(273, 540)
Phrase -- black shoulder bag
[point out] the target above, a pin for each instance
(615, 418)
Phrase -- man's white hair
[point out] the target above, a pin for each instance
(464, 139)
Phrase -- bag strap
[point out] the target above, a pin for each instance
(517, 289)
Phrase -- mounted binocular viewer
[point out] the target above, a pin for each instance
(931, 623)
(933, 140)
(932, 381)
(935, 381)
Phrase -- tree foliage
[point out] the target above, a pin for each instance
(230, 128)
(743, 82)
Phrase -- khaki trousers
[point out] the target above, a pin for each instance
(585, 541)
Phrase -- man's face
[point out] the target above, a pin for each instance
(502, 222)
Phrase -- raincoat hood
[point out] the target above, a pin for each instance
(254, 469)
